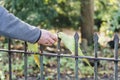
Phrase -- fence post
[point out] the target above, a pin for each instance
(116, 41)
(95, 55)
(76, 37)
(58, 59)
(10, 62)
(41, 64)
(25, 60)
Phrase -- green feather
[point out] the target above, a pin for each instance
(69, 43)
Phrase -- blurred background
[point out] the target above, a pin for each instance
(83, 16)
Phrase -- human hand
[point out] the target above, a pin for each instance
(47, 38)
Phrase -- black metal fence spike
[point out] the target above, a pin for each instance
(25, 60)
(116, 42)
(58, 59)
(116, 38)
(95, 37)
(76, 36)
(10, 59)
(41, 63)
(41, 48)
(59, 40)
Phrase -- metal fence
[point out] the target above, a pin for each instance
(59, 55)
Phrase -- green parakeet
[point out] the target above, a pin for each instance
(69, 43)
(34, 48)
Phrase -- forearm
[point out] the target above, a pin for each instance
(13, 27)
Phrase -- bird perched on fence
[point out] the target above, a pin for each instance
(69, 43)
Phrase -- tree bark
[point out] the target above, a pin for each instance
(87, 21)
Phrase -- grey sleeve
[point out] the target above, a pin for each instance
(11, 26)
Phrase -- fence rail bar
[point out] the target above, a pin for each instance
(10, 61)
(95, 55)
(62, 55)
(25, 60)
(59, 55)
(116, 41)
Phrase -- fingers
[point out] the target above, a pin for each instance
(51, 40)
(47, 38)
(54, 37)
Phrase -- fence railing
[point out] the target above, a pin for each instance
(59, 55)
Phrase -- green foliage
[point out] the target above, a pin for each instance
(67, 63)
(62, 13)
(107, 11)
(32, 11)
(103, 7)
(115, 21)
(47, 13)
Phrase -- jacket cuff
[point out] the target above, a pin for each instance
(38, 37)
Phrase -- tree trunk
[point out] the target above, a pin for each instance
(87, 21)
